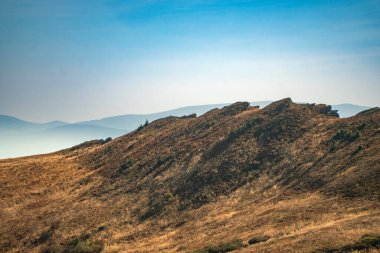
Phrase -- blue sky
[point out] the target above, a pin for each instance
(77, 60)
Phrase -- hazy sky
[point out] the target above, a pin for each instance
(74, 60)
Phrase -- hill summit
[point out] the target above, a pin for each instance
(287, 178)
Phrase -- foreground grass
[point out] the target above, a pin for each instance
(302, 222)
(366, 243)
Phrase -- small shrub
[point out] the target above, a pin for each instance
(79, 244)
(222, 248)
(106, 140)
(101, 228)
(83, 244)
(160, 161)
(325, 250)
(362, 126)
(371, 240)
(88, 247)
(45, 236)
(125, 165)
(345, 135)
(359, 149)
(190, 116)
(258, 239)
(334, 146)
(141, 127)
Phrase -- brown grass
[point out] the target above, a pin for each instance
(248, 184)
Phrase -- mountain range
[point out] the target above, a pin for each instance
(20, 138)
(285, 178)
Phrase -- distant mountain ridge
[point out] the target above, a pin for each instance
(12, 124)
(130, 122)
(19, 137)
(349, 110)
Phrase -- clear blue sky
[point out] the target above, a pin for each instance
(74, 60)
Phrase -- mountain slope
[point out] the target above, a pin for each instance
(18, 137)
(293, 172)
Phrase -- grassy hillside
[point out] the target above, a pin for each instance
(286, 178)
(21, 138)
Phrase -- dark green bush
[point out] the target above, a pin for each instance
(224, 247)
(83, 244)
(362, 126)
(159, 162)
(46, 235)
(345, 135)
(87, 247)
(106, 140)
(334, 146)
(141, 127)
(371, 240)
(101, 228)
(258, 239)
(125, 165)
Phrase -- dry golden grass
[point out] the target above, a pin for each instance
(294, 225)
(310, 198)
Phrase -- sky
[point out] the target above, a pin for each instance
(76, 60)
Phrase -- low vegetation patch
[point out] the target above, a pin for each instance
(362, 126)
(258, 239)
(161, 202)
(365, 243)
(345, 135)
(357, 151)
(45, 236)
(125, 165)
(78, 244)
(141, 127)
(105, 140)
(221, 248)
(84, 245)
